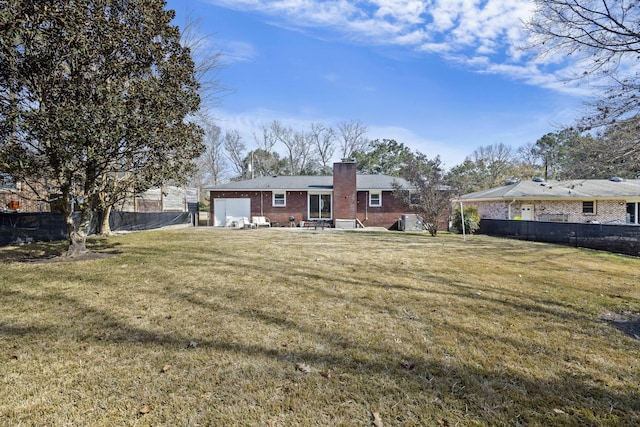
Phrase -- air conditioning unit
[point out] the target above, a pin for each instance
(410, 222)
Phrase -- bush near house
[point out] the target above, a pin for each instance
(471, 220)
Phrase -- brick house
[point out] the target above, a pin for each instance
(613, 201)
(18, 197)
(340, 199)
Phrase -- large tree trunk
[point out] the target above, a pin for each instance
(77, 244)
(78, 235)
(105, 228)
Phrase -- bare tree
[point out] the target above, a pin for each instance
(298, 146)
(528, 161)
(266, 140)
(284, 135)
(495, 163)
(207, 61)
(305, 154)
(431, 199)
(213, 164)
(235, 150)
(488, 166)
(527, 155)
(603, 36)
(352, 137)
(323, 139)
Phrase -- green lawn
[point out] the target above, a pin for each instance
(281, 328)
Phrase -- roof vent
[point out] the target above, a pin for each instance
(538, 179)
(616, 179)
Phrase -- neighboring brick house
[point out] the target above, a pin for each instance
(10, 197)
(345, 195)
(613, 201)
(18, 197)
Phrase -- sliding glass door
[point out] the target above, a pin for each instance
(320, 206)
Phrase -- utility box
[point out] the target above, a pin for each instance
(345, 224)
(410, 222)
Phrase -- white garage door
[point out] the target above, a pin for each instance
(230, 208)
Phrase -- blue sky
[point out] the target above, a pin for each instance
(444, 77)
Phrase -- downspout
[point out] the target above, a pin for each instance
(366, 206)
(261, 204)
(509, 210)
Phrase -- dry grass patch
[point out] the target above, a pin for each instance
(266, 327)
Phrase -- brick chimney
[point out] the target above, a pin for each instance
(345, 202)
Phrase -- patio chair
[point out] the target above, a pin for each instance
(261, 221)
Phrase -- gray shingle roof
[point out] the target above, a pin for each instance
(570, 189)
(307, 183)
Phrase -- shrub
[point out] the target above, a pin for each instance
(471, 220)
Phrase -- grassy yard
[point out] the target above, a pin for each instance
(279, 328)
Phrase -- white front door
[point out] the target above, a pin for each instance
(526, 213)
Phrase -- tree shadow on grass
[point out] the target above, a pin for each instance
(493, 395)
(43, 252)
(627, 323)
(476, 394)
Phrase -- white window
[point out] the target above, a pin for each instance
(279, 199)
(589, 207)
(375, 198)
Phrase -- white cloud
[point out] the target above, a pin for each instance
(238, 51)
(409, 12)
(459, 23)
(483, 35)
